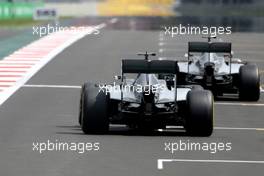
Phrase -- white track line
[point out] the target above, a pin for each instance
(160, 162)
(239, 104)
(54, 86)
(100, 26)
(173, 49)
(222, 128)
(261, 88)
(239, 128)
(113, 20)
(161, 43)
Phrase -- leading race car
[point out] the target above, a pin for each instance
(216, 70)
(145, 102)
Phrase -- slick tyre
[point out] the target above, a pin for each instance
(94, 111)
(200, 113)
(249, 83)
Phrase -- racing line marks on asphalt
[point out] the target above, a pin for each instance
(160, 162)
(17, 68)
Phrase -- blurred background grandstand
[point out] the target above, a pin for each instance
(242, 15)
(73, 8)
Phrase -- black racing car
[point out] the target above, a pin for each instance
(145, 102)
(210, 64)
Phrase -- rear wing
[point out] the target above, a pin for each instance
(208, 47)
(216, 47)
(149, 66)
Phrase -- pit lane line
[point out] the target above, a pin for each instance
(160, 162)
(53, 86)
(238, 104)
(239, 128)
(223, 128)
(181, 128)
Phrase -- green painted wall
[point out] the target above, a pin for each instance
(18, 9)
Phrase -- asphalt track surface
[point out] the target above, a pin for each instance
(38, 114)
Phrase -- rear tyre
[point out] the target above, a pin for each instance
(249, 83)
(94, 114)
(200, 113)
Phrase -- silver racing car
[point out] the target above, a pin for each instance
(140, 100)
(210, 64)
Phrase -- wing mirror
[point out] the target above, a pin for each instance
(229, 55)
(232, 53)
(117, 77)
(186, 55)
